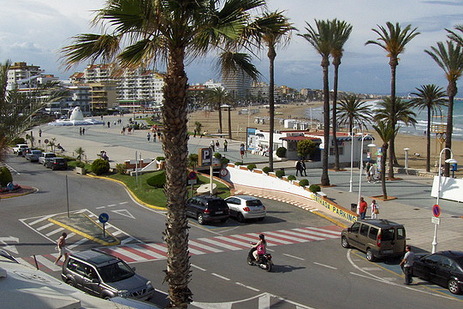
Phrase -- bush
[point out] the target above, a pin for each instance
(5, 176)
(314, 188)
(303, 182)
(266, 170)
(239, 163)
(217, 155)
(251, 166)
(224, 161)
(19, 140)
(291, 177)
(158, 180)
(280, 173)
(121, 169)
(80, 164)
(160, 158)
(281, 152)
(100, 166)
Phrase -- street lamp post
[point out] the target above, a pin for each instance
(439, 186)
(406, 157)
(361, 170)
(351, 159)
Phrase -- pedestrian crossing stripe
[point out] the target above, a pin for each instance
(143, 252)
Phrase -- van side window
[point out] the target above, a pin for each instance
(400, 233)
(388, 234)
(364, 230)
(355, 227)
(373, 232)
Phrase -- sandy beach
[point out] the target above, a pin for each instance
(239, 123)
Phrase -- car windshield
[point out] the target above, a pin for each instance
(115, 272)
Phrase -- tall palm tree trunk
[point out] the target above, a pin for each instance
(393, 64)
(383, 172)
(325, 180)
(220, 117)
(271, 102)
(175, 148)
(449, 131)
(334, 116)
(428, 141)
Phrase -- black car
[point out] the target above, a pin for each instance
(57, 163)
(207, 208)
(444, 268)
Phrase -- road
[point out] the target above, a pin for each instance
(311, 269)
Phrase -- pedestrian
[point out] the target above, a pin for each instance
(109, 124)
(148, 136)
(83, 131)
(212, 146)
(374, 209)
(40, 132)
(368, 171)
(298, 167)
(363, 206)
(61, 246)
(242, 149)
(407, 264)
(225, 145)
(217, 145)
(303, 168)
(154, 137)
(80, 131)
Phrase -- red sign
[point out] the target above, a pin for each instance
(436, 211)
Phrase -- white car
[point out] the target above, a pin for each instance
(244, 207)
(19, 148)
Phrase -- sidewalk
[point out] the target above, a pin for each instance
(412, 206)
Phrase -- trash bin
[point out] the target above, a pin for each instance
(353, 207)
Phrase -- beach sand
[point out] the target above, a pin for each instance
(239, 123)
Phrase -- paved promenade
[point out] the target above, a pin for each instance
(412, 206)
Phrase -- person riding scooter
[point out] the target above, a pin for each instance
(260, 247)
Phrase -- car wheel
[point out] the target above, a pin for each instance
(453, 286)
(345, 242)
(200, 218)
(370, 255)
(70, 282)
(240, 217)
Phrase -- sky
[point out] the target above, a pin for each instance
(34, 31)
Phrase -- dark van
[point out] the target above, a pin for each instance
(379, 238)
(207, 208)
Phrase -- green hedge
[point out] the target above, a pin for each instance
(303, 182)
(158, 180)
(100, 166)
(5, 176)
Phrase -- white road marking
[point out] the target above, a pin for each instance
(197, 267)
(77, 243)
(123, 212)
(40, 219)
(219, 276)
(247, 287)
(55, 231)
(294, 257)
(219, 244)
(112, 205)
(324, 265)
(203, 246)
(47, 263)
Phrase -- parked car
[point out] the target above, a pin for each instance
(33, 155)
(105, 276)
(244, 207)
(20, 148)
(379, 238)
(46, 156)
(207, 208)
(57, 163)
(444, 268)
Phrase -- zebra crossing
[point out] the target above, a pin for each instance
(144, 252)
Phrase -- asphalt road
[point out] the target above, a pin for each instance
(308, 273)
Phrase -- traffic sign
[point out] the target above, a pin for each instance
(435, 220)
(103, 218)
(436, 211)
(223, 172)
(192, 175)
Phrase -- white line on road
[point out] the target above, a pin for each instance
(112, 205)
(100, 207)
(324, 265)
(247, 287)
(44, 226)
(55, 231)
(294, 257)
(221, 277)
(197, 267)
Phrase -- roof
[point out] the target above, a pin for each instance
(300, 138)
(95, 257)
(382, 223)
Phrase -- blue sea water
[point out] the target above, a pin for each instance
(421, 118)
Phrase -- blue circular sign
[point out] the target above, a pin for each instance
(103, 218)
(436, 210)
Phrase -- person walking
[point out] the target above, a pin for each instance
(242, 149)
(368, 171)
(217, 145)
(225, 145)
(298, 167)
(212, 146)
(303, 168)
(363, 206)
(407, 264)
(374, 209)
(148, 136)
(61, 244)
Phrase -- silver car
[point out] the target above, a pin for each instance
(105, 276)
(244, 207)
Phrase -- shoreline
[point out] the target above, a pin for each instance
(415, 143)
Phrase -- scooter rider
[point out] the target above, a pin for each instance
(260, 246)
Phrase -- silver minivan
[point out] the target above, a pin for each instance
(378, 238)
(105, 276)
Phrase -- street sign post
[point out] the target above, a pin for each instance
(435, 219)
(436, 211)
(103, 218)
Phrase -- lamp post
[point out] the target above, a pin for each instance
(406, 157)
(351, 159)
(361, 169)
(439, 186)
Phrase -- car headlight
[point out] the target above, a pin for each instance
(123, 293)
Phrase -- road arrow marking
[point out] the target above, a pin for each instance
(124, 212)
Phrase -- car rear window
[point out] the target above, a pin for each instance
(253, 203)
(400, 233)
(388, 234)
(216, 204)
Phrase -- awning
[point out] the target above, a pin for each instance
(301, 138)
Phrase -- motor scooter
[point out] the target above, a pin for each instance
(264, 260)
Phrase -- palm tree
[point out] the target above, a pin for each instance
(449, 57)
(341, 32)
(321, 39)
(393, 41)
(389, 112)
(432, 98)
(272, 29)
(386, 132)
(217, 97)
(172, 32)
(352, 111)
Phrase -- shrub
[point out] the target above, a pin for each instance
(224, 161)
(100, 166)
(121, 169)
(266, 170)
(160, 158)
(239, 163)
(281, 152)
(314, 188)
(280, 173)
(80, 164)
(251, 166)
(303, 182)
(217, 155)
(5, 176)
(193, 160)
(19, 140)
(158, 180)
(291, 177)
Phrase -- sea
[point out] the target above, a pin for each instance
(316, 114)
